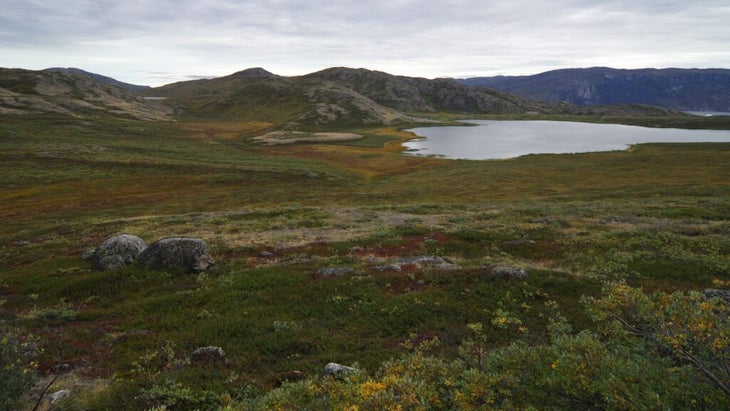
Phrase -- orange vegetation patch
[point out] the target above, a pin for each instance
(367, 162)
(228, 130)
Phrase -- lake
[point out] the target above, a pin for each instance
(498, 139)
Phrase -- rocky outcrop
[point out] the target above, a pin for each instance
(116, 252)
(177, 253)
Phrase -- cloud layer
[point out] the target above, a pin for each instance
(163, 41)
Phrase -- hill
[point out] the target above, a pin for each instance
(343, 96)
(335, 96)
(679, 89)
(72, 92)
(100, 78)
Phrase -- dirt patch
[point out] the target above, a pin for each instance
(290, 137)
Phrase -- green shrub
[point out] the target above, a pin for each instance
(18, 366)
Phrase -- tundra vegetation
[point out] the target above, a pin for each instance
(617, 248)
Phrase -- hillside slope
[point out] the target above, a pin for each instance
(679, 89)
(336, 96)
(71, 92)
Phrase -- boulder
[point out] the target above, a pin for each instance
(210, 355)
(502, 272)
(334, 271)
(429, 261)
(58, 396)
(338, 370)
(396, 268)
(177, 253)
(116, 252)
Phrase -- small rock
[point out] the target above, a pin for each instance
(334, 271)
(22, 243)
(58, 396)
(389, 267)
(429, 261)
(177, 253)
(506, 272)
(116, 252)
(266, 254)
(717, 293)
(421, 283)
(338, 370)
(210, 355)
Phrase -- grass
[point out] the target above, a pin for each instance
(656, 216)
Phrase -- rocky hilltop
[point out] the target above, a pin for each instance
(341, 96)
(679, 89)
(72, 92)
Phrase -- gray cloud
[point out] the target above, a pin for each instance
(133, 39)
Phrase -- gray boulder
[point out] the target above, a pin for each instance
(116, 252)
(334, 271)
(177, 253)
(338, 370)
(502, 272)
(429, 261)
(58, 396)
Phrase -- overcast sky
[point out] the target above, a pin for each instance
(156, 42)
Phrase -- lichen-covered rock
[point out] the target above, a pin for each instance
(334, 271)
(338, 370)
(58, 396)
(177, 253)
(429, 261)
(116, 252)
(205, 356)
(503, 272)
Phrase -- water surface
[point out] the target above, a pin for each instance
(497, 139)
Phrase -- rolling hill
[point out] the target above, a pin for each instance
(72, 92)
(335, 98)
(679, 89)
(340, 96)
(343, 97)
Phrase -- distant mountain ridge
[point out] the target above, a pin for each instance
(334, 97)
(679, 89)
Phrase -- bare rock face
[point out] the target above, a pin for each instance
(116, 252)
(177, 253)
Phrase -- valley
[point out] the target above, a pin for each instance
(447, 284)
